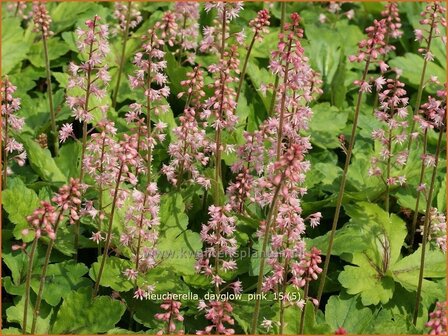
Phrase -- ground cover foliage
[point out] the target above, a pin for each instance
(221, 168)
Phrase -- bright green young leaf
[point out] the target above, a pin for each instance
(61, 279)
(82, 314)
(347, 313)
(113, 273)
(14, 47)
(172, 213)
(412, 65)
(15, 314)
(364, 280)
(42, 162)
(19, 202)
(56, 49)
(177, 251)
(324, 134)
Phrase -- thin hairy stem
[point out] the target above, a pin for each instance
(109, 232)
(419, 192)
(122, 56)
(44, 274)
(54, 132)
(28, 284)
(422, 81)
(426, 227)
(342, 187)
(270, 219)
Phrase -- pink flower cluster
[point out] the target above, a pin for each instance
(219, 313)
(432, 18)
(42, 19)
(171, 315)
(11, 123)
(392, 113)
(121, 12)
(46, 218)
(438, 320)
(219, 236)
(437, 228)
(90, 75)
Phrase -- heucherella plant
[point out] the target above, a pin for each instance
(42, 21)
(392, 112)
(187, 15)
(128, 17)
(223, 168)
(11, 123)
(370, 50)
(432, 19)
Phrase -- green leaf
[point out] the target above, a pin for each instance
(14, 46)
(42, 162)
(68, 158)
(15, 314)
(80, 314)
(61, 279)
(406, 271)
(384, 236)
(347, 313)
(365, 280)
(113, 273)
(172, 213)
(56, 49)
(412, 65)
(177, 251)
(19, 202)
(323, 133)
(311, 326)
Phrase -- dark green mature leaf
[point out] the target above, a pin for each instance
(347, 313)
(82, 314)
(61, 279)
(243, 312)
(19, 202)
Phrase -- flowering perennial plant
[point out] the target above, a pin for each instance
(246, 167)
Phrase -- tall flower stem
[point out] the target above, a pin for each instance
(243, 71)
(5, 151)
(218, 131)
(122, 56)
(269, 222)
(277, 78)
(84, 136)
(417, 203)
(109, 232)
(54, 133)
(44, 274)
(302, 314)
(426, 227)
(283, 102)
(422, 80)
(342, 186)
(28, 284)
